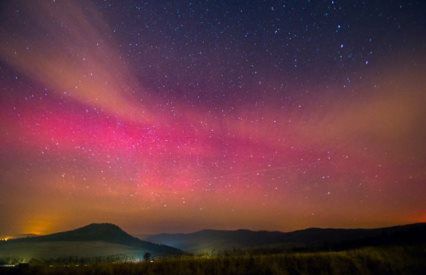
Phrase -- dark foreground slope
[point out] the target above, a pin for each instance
(372, 260)
(312, 238)
(94, 240)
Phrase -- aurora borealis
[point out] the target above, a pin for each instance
(177, 116)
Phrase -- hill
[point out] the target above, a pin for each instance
(307, 239)
(94, 240)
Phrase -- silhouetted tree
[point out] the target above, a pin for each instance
(147, 256)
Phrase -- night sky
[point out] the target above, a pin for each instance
(175, 116)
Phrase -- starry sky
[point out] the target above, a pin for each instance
(175, 116)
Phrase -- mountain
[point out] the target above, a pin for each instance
(94, 240)
(311, 238)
